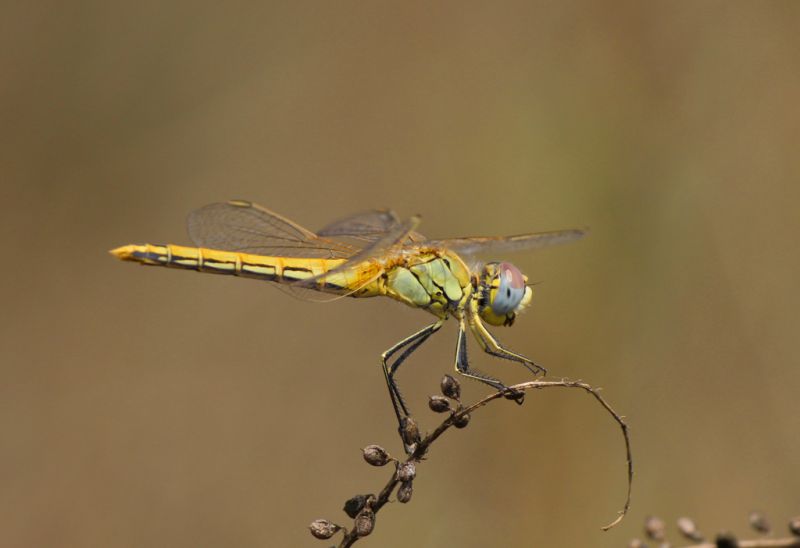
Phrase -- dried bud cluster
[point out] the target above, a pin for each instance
(726, 540)
(689, 530)
(365, 522)
(354, 505)
(409, 431)
(439, 404)
(654, 528)
(376, 455)
(406, 472)
(451, 388)
(323, 529)
(461, 421)
(758, 522)
(794, 526)
(405, 491)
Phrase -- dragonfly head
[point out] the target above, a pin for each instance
(502, 293)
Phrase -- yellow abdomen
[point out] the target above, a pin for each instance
(261, 267)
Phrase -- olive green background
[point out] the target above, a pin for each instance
(148, 407)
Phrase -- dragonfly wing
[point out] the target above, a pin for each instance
(520, 242)
(304, 291)
(369, 226)
(385, 246)
(247, 227)
(365, 223)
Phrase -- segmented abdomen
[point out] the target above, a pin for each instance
(274, 269)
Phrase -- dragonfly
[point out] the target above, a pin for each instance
(369, 254)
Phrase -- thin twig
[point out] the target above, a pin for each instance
(423, 446)
(756, 543)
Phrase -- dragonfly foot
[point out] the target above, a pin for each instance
(536, 369)
(517, 396)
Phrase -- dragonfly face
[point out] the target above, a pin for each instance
(502, 293)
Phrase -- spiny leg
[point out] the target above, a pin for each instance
(411, 344)
(492, 347)
(408, 345)
(462, 363)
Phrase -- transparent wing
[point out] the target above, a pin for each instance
(385, 246)
(247, 227)
(519, 242)
(366, 223)
(369, 226)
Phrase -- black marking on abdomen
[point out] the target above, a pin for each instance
(151, 256)
(309, 274)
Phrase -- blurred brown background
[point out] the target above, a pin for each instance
(148, 407)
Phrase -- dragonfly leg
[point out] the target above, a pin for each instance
(408, 346)
(462, 363)
(492, 347)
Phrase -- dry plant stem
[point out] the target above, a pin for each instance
(756, 543)
(424, 445)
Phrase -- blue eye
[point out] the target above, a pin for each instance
(510, 291)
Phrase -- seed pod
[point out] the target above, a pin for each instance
(439, 404)
(689, 530)
(365, 522)
(405, 491)
(726, 540)
(758, 522)
(451, 388)
(409, 431)
(323, 529)
(406, 472)
(654, 528)
(461, 421)
(376, 455)
(354, 505)
(794, 526)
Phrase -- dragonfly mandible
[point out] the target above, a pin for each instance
(369, 254)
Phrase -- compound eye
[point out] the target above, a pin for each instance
(510, 291)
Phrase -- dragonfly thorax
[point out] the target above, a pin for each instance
(434, 280)
(502, 293)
